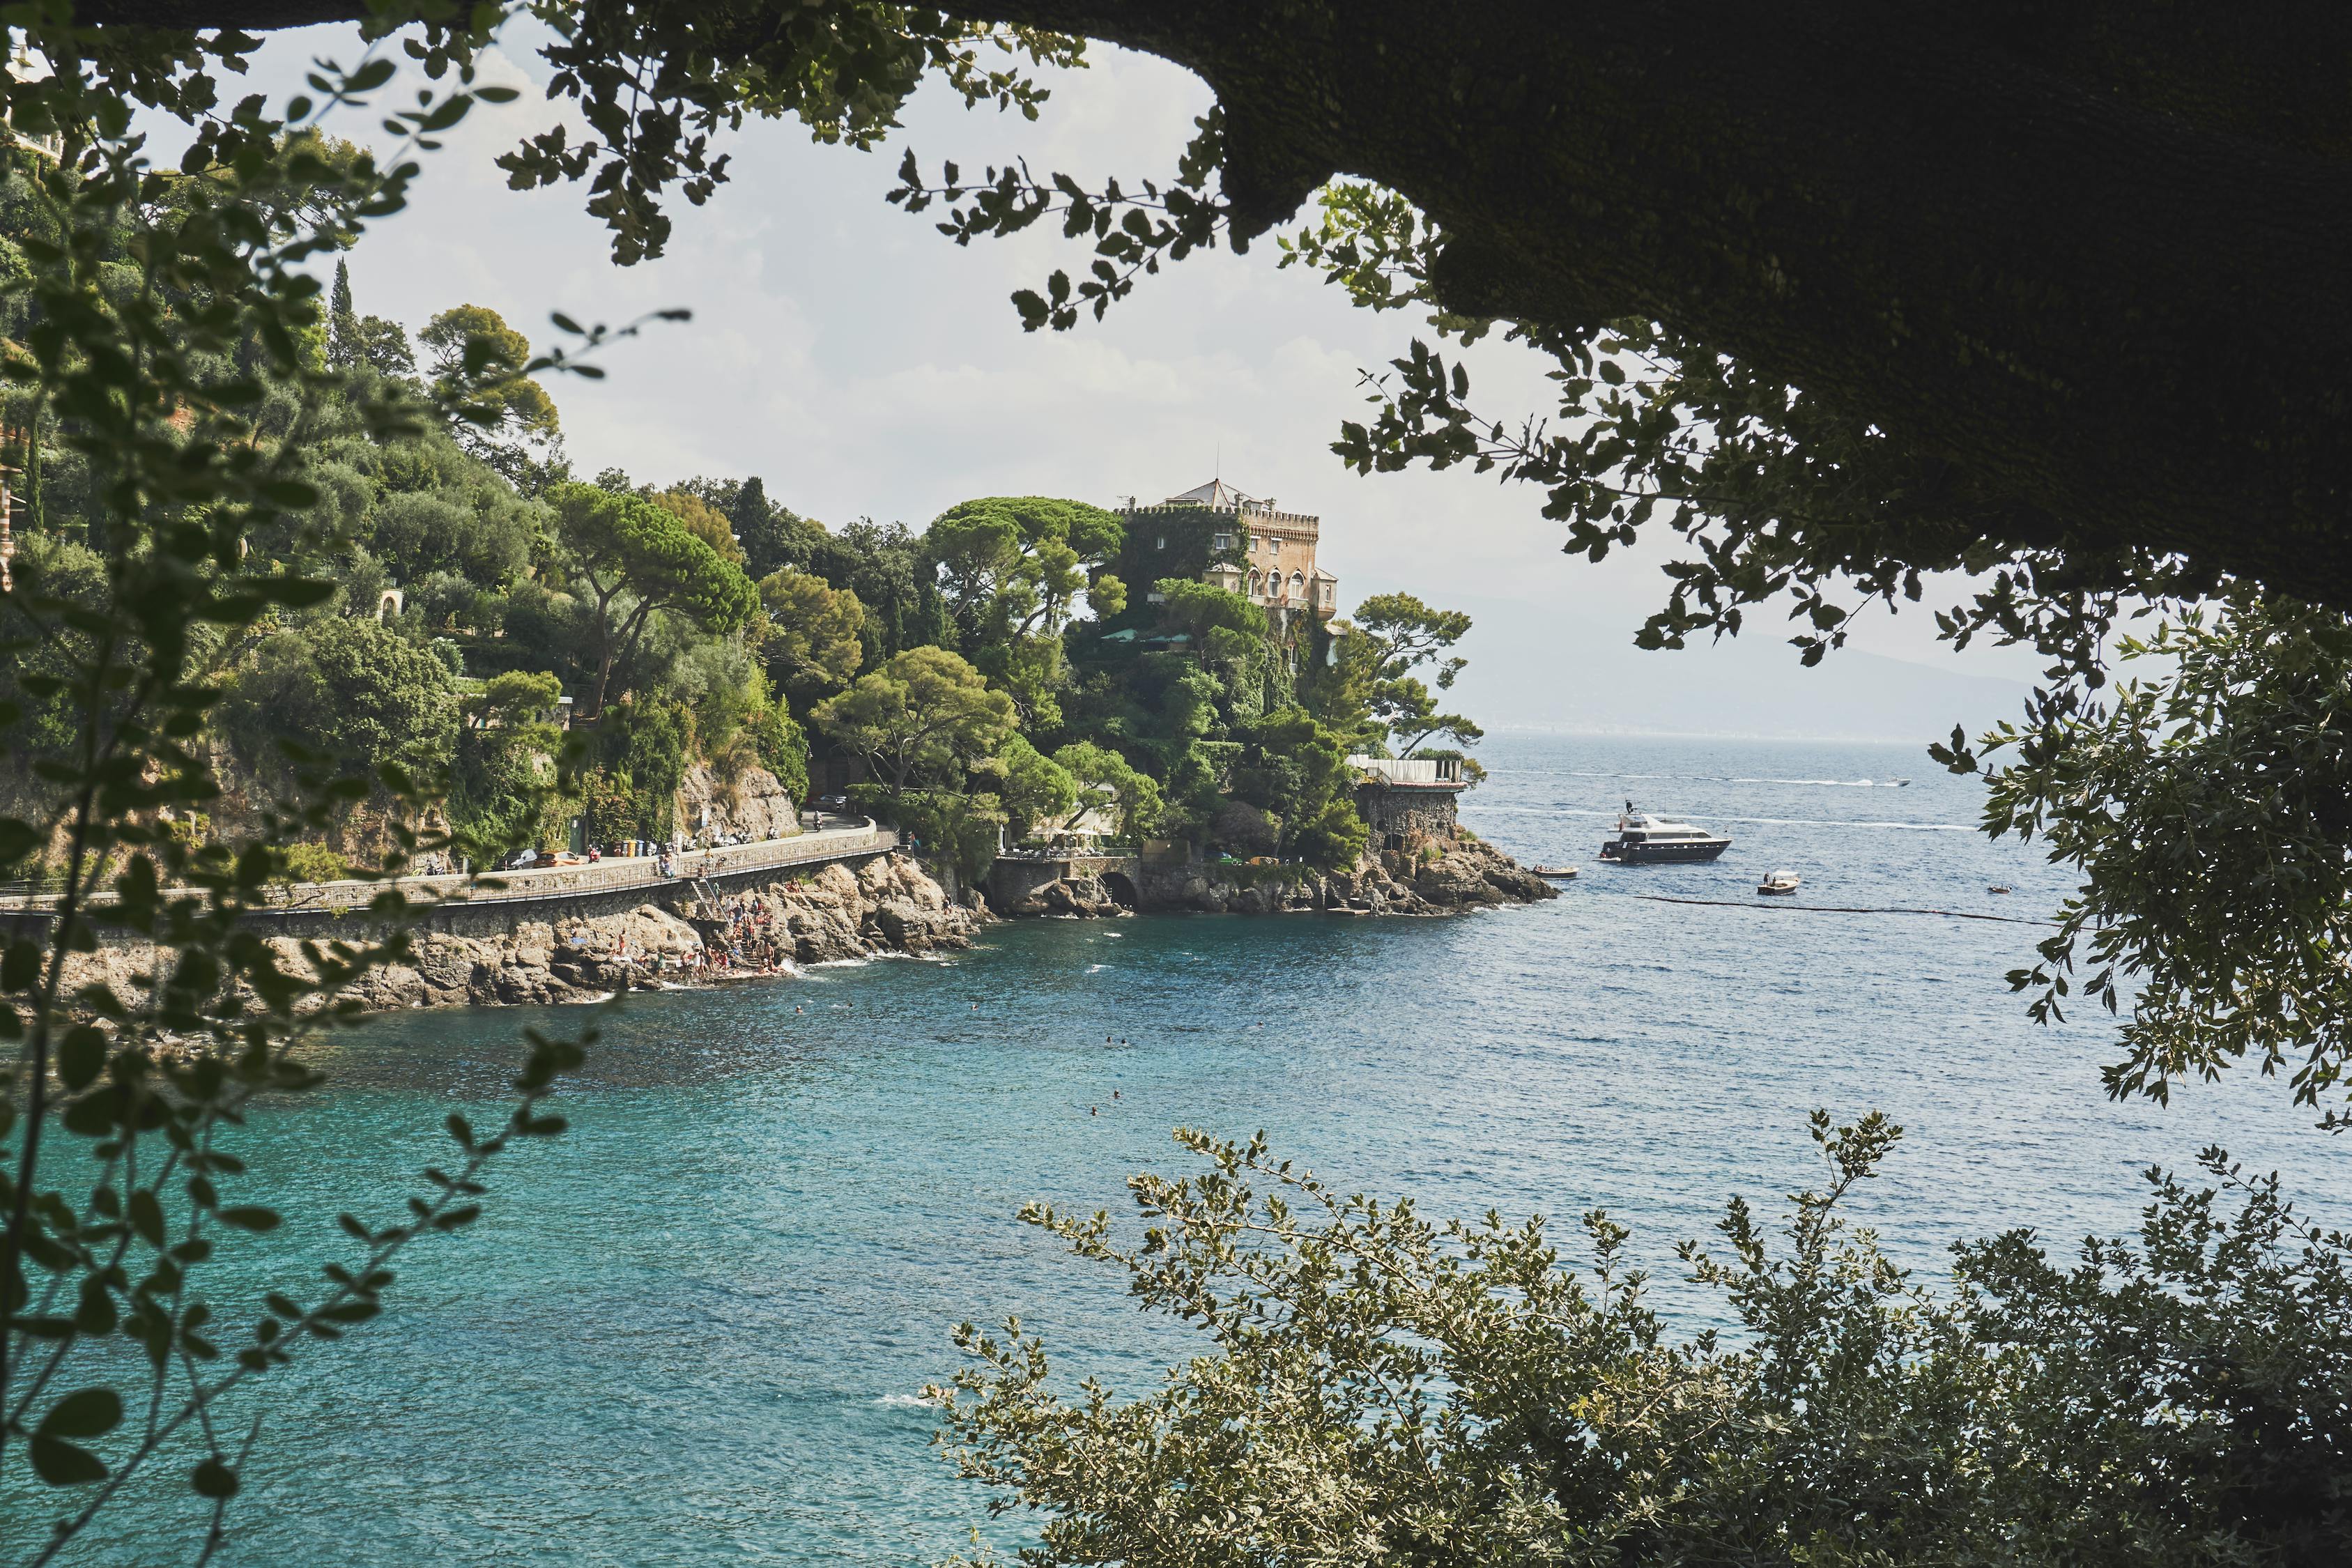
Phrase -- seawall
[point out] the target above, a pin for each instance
(584, 943)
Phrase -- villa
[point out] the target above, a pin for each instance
(1240, 542)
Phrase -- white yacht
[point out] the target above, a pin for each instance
(1644, 839)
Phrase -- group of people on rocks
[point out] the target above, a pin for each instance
(753, 939)
(756, 941)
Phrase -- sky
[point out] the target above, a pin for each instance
(864, 366)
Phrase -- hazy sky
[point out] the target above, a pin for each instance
(864, 365)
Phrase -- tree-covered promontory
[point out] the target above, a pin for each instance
(561, 658)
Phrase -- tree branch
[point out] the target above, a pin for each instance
(2092, 262)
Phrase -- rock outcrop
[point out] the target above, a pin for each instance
(886, 905)
(752, 803)
(1462, 873)
(1068, 898)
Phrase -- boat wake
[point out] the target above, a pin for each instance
(1716, 778)
(1485, 810)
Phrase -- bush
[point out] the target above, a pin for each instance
(959, 831)
(311, 863)
(1377, 1388)
(358, 693)
(1246, 829)
(782, 747)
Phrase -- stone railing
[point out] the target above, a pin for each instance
(536, 885)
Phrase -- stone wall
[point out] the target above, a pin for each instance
(1087, 884)
(1404, 816)
(519, 953)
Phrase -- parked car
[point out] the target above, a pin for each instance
(833, 803)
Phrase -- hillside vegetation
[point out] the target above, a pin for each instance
(559, 658)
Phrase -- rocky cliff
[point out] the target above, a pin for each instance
(886, 905)
(1436, 879)
(752, 801)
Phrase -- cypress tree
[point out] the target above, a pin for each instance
(757, 527)
(343, 351)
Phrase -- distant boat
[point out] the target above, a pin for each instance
(1558, 873)
(1780, 882)
(1996, 888)
(1644, 839)
(1900, 783)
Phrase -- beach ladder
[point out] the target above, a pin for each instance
(709, 898)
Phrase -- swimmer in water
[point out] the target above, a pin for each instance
(1094, 1111)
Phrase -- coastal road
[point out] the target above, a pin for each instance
(834, 838)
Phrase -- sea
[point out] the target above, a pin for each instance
(696, 1329)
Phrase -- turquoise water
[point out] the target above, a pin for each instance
(693, 1330)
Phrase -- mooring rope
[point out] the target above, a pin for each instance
(1843, 910)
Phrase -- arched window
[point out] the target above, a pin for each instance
(1297, 585)
(1257, 583)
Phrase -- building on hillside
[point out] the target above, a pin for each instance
(1408, 802)
(1243, 544)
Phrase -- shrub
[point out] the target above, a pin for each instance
(1373, 1387)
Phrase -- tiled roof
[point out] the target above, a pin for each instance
(1216, 493)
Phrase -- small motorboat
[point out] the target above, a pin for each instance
(1899, 783)
(1996, 888)
(1779, 882)
(1557, 873)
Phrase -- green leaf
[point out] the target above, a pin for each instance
(81, 1057)
(86, 1413)
(446, 113)
(93, 1116)
(62, 1464)
(147, 1217)
(298, 593)
(96, 1314)
(248, 1216)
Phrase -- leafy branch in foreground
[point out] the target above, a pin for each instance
(2204, 808)
(1778, 496)
(656, 83)
(1132, 233)
(1378, 1387)
(2208, 804)
(173, 342)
